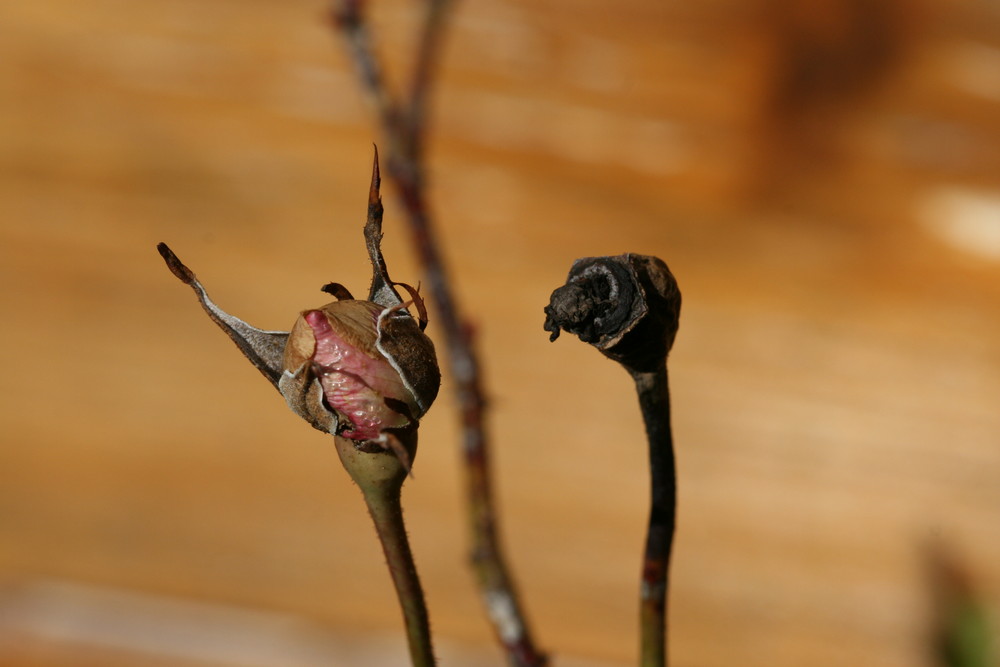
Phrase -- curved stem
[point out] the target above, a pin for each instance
(386, 512)
(654, 401)
(628, 307)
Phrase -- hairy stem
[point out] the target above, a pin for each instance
(654, 401)
(387, 515)
(380, 475)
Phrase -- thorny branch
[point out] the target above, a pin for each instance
(402, 122)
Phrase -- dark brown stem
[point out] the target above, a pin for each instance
(628, 307)
(403, 125)
(654, 401)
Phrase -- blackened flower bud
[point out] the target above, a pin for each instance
(627, 306)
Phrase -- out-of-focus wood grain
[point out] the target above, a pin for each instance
(835, 380)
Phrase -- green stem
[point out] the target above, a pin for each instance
(387, 514)
(654, 400)
(380, 476)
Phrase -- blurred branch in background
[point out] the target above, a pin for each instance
(403, 124)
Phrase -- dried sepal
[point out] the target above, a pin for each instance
(304, 395)
(382, 290)
(337, 291)
(417, 301)
(264, 349)
(402, 341)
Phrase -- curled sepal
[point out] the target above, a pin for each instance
(402, 341)
(264, 349)
(627, 306)
(304, 395)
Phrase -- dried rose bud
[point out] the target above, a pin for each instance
(361, 370)
(376, 367)
(364, 372)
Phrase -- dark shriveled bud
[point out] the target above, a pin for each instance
(627, 306)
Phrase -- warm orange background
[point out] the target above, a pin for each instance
(823, 177)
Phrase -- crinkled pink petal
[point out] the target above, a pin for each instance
(354, 383)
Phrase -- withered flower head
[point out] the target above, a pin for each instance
(361, 370)
(627, 306)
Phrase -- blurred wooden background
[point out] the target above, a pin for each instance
(823, 176)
